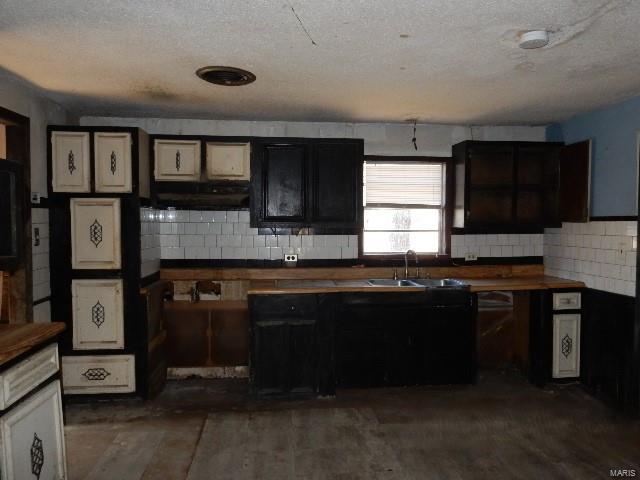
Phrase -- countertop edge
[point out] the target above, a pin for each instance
(20, 338)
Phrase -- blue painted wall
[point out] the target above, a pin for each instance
(614, 135)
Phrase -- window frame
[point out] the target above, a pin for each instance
(447, 215)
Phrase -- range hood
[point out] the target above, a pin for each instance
(203, 195)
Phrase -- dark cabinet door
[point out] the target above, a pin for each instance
(283, 172)
(336, 183)
(449, 345)
(270, 357)
(307, 183)
(574, 182)
(361, 349)
(284, 345)
(302, 361)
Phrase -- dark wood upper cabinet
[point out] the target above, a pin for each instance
(336, 183)
(284, 169)
(574, 182)
(307, 183)
(506, 185)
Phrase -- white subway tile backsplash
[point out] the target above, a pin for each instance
(220, 217)
(600, 254)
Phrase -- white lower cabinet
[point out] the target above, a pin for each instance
(566, 345)
(93, 374)
(32, 438)
(98, 321)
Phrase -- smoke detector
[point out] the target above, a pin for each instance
(534, 39)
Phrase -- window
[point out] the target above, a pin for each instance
(404, 206)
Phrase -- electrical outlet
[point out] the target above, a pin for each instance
(621, 256)
(290, 259)
(470, 257)
(35, 198)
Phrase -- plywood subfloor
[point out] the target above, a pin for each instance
(207, 429)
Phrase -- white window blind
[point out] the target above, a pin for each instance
(403, 183)
(404, 207)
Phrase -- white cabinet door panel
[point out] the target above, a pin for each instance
(566, 345)
(98, 319)
(70, 170)
(112, 162)
(228, 161)
(177, 160)
(94, 374)
(95, 233)
(32, 438)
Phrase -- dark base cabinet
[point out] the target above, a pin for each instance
(309, 344)
(607, 349)
(404, 339)
(284, 347)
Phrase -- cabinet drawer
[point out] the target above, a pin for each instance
(566, 346)
(177, 160)
(98, 374)
(70, 162)
(23, 377)
(228, 161)
(97, 314)
(285, 305)
(566, 301)
(112, 161)
(32, 438)
(95, 233)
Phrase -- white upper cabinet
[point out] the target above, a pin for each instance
(228, 161)
(177, 160)
(95, 233)
(70, 169)
(98, 319)
(112, 153)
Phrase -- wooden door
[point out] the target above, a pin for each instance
(177, 160)
(270, 357)
(302, 361)
(112, 156)
(70, 164)
(32, 437)
(98, 318)
(337, 183)
(95, 233)
(566, 345)
(449, 345)
(575, 164)
(228, 161)
(284, 189)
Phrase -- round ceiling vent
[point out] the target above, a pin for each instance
(228, 76)
(534, 39)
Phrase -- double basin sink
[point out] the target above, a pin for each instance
(418, 283)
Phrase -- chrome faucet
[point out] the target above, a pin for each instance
(406, 263)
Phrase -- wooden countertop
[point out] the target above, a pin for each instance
(275, 287)
(16, 339)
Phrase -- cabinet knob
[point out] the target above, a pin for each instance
(292, 307)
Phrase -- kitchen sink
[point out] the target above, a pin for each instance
(389, 282)
(439, 282)
(418, 282)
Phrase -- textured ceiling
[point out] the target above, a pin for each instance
(446, 61)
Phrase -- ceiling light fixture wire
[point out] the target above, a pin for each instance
(413, 140)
